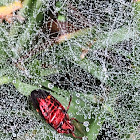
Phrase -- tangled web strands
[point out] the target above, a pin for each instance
(89, 49)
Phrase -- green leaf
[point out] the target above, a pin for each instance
(61, 18)
(95, 127)
(5, 80)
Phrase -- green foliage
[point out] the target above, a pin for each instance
(29, 74)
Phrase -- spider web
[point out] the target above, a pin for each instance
(98, 74)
